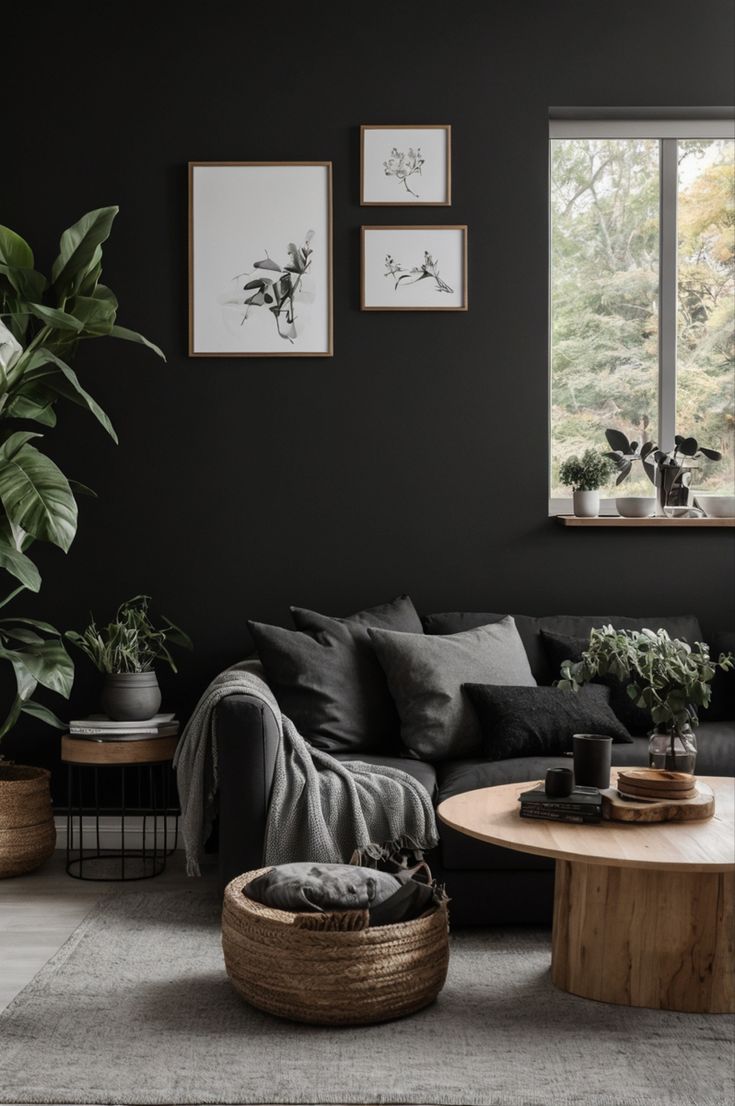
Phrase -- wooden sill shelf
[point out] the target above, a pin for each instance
(616, 520)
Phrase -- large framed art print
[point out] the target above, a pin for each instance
(260, 259)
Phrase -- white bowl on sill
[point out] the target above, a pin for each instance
(636, 506)
(716, 506)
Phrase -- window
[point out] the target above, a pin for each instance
(642, 290)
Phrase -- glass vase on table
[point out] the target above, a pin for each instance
(673, 747)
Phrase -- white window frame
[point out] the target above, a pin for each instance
(669, 128)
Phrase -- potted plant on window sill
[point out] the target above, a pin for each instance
(670, 473)
(665, 676)
(125, 651)
(585, 476)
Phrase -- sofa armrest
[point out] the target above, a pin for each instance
(247, 739)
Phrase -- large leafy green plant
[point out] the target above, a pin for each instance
(664, 675)
(42, 322)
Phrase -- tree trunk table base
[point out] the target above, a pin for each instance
(641, 937)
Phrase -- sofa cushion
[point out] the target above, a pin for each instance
(327, 680)
(572, 625)
(715, 757)
(425, 675)
(421, 770)
(540, 721)
(560, 648)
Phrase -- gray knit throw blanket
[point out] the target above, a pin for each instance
(320, 809)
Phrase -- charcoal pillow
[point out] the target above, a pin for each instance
(308, 887)
(328, 681)
(722, 704)
(425, 676)
(561, 648)
(540, 721)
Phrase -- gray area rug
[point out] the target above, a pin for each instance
(136, 1008)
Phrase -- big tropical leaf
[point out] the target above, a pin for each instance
(133, 336)
(29, 284)
(48, 663)
(37, 497)
(38, 710)
(18, 565)
(33, 401)
(61, 379)
(78, 248)
(96, 312)
(14, 250)
(53, 316)
(15, 442)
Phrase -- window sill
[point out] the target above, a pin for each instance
(616, 520)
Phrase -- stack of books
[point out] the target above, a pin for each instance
(583, 805)
(98, 727)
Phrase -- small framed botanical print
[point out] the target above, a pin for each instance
(260, 259)
(406, 165)
(414, 268)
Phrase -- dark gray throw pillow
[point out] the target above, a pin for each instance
(425, 676)
(540, 721)
(562, 648)
(328, 681)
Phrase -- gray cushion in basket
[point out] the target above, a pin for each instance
(308, 887)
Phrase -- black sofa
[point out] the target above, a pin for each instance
(487, 884)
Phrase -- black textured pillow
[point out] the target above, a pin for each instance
(561, 648)
(328, 680)
(540, 721)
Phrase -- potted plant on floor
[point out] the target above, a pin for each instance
(585, 476)
(663, 675)
(126, 651)
(42, 322)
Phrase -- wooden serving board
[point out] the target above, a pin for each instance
(656, 779)
(617, 809)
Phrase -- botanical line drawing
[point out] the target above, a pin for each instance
(428, 269)
(402, 166)
(278, 292)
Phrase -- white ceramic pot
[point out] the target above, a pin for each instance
(636, 506)
(716, 506)
(586, 504)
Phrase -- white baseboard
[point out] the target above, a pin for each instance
(110, 835)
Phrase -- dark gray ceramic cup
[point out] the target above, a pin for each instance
(592, 759)
(559, 782)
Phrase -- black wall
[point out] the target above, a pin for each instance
(415, 459)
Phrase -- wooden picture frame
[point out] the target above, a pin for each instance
(394, 169)
(420, 279)
(256, 233)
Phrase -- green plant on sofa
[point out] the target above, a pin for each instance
(130, 643)
(42, 322)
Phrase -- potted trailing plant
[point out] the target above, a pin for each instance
(669, 472)
(585, 476)
(42, 322)
(125, 651)
(663, 675)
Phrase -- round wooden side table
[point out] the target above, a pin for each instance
(143, 769)
(644, 915)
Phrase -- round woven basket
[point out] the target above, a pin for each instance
(27, 831)
(331, 969)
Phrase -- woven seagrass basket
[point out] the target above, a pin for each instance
(27, 831)
(331, 969)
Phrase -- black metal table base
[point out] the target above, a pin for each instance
(151, 804)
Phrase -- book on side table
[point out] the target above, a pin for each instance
(98, 727)
(583, 805)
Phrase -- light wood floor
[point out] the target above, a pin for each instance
(38, 912)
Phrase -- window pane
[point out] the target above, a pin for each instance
(705, 399)
(604, 288)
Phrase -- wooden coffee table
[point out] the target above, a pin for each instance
(644, 915)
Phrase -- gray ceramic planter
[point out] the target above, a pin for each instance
(131, 696)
